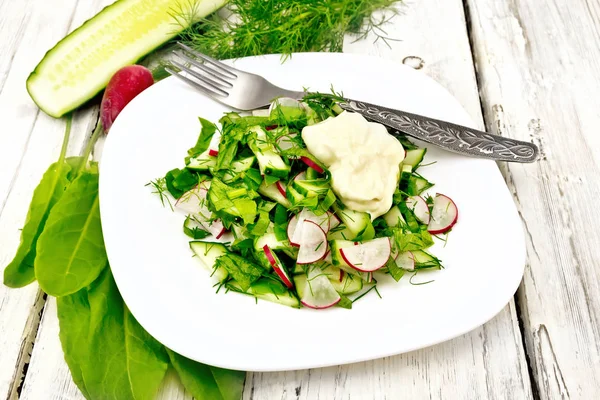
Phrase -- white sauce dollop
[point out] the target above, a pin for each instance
(363, 158)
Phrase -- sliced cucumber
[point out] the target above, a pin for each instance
(269, 162)
(270, 240)
(394, 217)
(425, 260)
(238, 167)
(414, 157)
(207, 253)
(269, 290)
(350, 284)
(81, 64)
(311, 174)
(405, 175)
(294, 196)
(359, 223)
(310, 188)
(417, 185)
(202, 162)
(341, 232)
(273, 193)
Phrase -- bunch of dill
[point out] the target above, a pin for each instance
(287, 26)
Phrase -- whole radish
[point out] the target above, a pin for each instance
(125, 84)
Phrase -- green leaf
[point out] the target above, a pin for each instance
(243, 271)
(70, 250)
(408, 241)
(206, 134)
(20, 271)
(109, 354)
(395, 271)
(193, 229)
(208, 383)
(74, 320)
(344, 302)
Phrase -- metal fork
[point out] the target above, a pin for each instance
(225, 84)
(246, 91)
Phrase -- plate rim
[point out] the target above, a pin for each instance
(176, 347)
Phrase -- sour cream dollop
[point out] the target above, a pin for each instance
(363, 158)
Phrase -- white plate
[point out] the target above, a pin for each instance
(173, 297)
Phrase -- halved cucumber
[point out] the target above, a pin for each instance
(81, 64)
(207, 253)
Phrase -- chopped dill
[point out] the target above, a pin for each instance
(288, 26)
(160, 188)
(418, 283)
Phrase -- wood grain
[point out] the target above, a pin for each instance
(538, 72)
(488, 363)
(29, 143)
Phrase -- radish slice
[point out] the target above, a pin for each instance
(277, 266)
(443, 216)
(301, 176)
(419, 206)
(291, 228)
(307, 215)
(281, 187)
(313, 246)
(318, 292)
(213, 152)
(368, 256)
(194, 202)
(312, 164)
(406, 261)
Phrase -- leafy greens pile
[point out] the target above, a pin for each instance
(109, 354)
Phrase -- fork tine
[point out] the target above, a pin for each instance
(224, 67)
(212, 85)
(201, 88)
(210, 71)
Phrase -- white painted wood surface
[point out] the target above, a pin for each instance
(538, 71)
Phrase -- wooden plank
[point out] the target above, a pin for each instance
(29, 143)
(486, 363)
(538, 67)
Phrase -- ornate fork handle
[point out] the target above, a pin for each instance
(449, 136)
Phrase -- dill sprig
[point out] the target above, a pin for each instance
(288, 26)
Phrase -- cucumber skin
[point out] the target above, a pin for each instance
(102, 85)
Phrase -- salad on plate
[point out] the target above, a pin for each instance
(304, 204)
